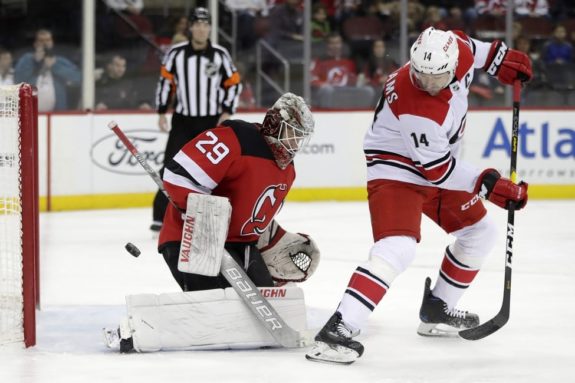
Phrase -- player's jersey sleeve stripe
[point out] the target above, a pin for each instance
(184, 182)
(450, 166)
(436, 162)
(194, 170)
(176, 169)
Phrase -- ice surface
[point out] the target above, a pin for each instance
(86, 273)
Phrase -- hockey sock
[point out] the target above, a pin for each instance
(363, 293)
(454, 278)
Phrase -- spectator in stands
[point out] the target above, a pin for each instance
(455, 20)
(523, 8)
(181, 30)
(523, 44)
(320, 28)
(485, 87)
(347, 8)
(434, 19)
(6, 69)
(115, 91)
(250, 15)
(130, 29)
(130, 22)
(379, 65)
(490, 7)
(286, 22)
(415, 15)
(558, 50)
(247, 99)
(332, 72)
(532, 8)
(52, 74)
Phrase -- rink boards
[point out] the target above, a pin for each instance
(83, 165)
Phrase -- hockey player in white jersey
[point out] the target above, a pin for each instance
(413, 168)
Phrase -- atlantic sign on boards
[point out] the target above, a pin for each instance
(534, 141)
(546, 144)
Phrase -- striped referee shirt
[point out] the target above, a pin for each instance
(206, 82)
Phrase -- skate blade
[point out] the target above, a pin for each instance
(111, 338)
(323, 352)
(307, 337)
(438, 330)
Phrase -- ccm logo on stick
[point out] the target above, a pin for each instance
(509, 247)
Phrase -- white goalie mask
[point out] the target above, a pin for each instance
(288, 126)
(433, 60)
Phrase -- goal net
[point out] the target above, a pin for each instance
(18, 214)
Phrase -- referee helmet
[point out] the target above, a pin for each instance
(200, 14)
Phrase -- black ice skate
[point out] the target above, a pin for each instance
(119, 338)
(438, 320)
(334, 343)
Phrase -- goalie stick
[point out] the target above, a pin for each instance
(235, 275)
(502, 316)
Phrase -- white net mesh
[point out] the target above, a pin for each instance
(11, 298)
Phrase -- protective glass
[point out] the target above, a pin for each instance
(431, 83)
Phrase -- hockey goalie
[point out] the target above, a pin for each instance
(227, 185)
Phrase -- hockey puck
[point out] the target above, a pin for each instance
(132, 249)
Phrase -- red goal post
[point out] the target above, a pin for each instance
(19, 212)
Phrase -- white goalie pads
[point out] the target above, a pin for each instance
(204, 233)
(290, 257)
(208, 320)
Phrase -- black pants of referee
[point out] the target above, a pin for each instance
(184, 129)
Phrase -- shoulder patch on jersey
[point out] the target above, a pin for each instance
(416, 102)
(251, 141)
(465, 59)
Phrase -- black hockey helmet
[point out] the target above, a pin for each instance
(200, 13)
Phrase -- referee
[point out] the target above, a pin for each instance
(206, 86)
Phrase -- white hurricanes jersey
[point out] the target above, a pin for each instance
(415, 137)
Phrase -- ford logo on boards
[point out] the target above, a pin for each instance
(109, 153)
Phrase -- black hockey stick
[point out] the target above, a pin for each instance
(502, 316)
(232, 272)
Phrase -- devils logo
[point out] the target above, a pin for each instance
(265, 208)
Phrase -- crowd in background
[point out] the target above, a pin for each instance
(355, 45)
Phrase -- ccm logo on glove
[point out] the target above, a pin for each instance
(508, 64)
(501, 191)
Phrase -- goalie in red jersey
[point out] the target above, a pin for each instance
(414, 168)
(251, 166)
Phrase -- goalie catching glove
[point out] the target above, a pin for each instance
(507, 64)
(290, 257)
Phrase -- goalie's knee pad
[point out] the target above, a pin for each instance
(474, 242)
(290, 257)
(390, 256)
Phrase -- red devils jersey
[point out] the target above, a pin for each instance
(233, 161)
(415, 137)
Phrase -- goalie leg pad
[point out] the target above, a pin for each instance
(204, 233)
(210, 319)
